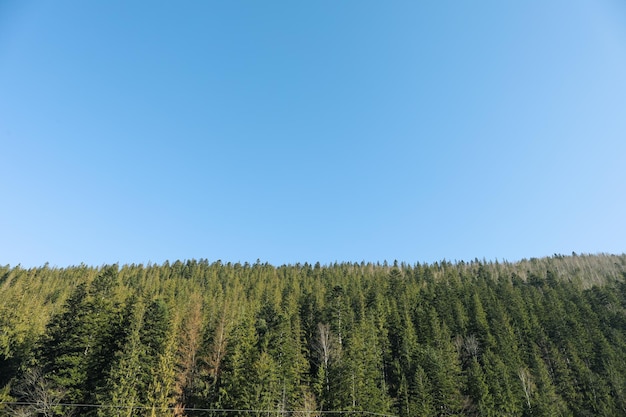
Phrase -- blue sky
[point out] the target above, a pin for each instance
(325, 131)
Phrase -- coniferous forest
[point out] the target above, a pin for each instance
(538, 337)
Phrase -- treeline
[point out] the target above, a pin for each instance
(540, 337)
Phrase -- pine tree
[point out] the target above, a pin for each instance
(161, 396)
(364, 371)
(158, 338)
(122, 389)
(423, 398)
(237, 380)
(187, 365)
(478, 390)
(80, 342)
(501, 383)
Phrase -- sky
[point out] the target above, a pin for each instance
(323, 131)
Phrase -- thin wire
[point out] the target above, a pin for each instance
(212, 410)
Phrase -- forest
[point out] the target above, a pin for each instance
(536, 337)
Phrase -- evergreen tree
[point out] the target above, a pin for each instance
(423, 399)
(535, 337)
(478, 390)
(187, 366)
(80, 342)
(238, 379)
(122, 389)
(364, 371)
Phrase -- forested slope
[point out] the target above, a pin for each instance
(540, 337)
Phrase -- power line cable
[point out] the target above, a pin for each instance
(210, 410)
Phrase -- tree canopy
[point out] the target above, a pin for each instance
(535, 337)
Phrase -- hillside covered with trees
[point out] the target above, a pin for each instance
(539, 337)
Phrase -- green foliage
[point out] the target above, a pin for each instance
(123, 386)
(478, 390)
(540, 337)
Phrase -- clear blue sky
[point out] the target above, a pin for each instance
(312, 131)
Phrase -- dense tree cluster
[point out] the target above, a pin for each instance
(539, 337)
